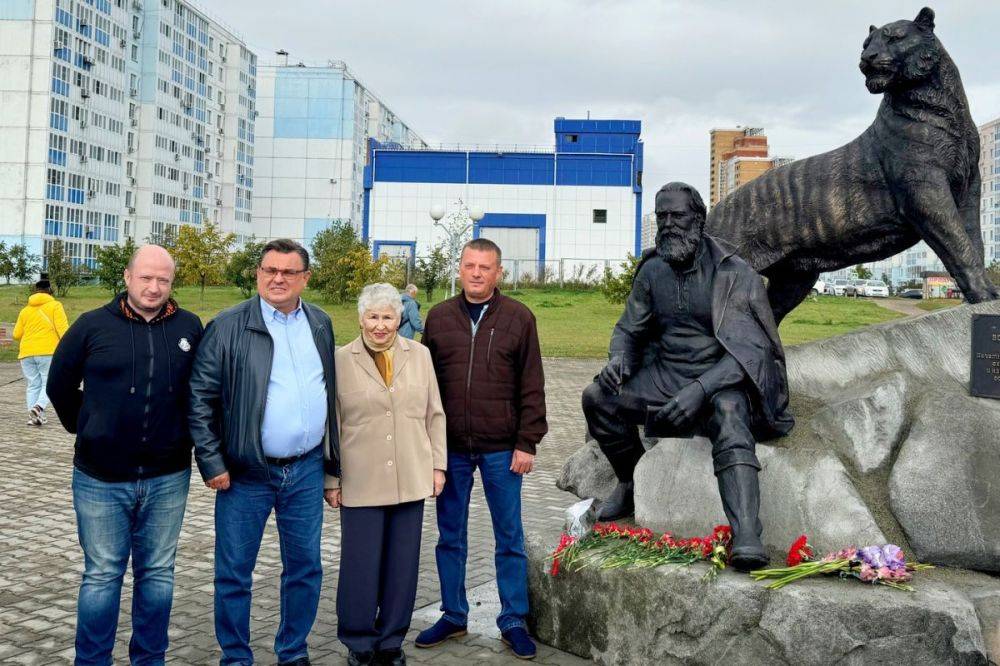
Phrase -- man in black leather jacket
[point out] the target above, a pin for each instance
(263, 420)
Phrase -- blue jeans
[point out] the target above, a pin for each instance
(36, 373)
(503, 496)
(142, 518)
(295, 493)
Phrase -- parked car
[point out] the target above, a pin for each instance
(836, 288)
(911, 293)
(855, 288)
(875, 289)
(819, 288)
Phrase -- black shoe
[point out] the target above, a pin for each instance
(390, 657)
(301, 661)
(360, 658)
(620, 503)
(740, 493)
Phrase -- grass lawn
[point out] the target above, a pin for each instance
(570, 323)
(826, 316)
(932, 304)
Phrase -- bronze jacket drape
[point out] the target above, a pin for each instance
(743, 324)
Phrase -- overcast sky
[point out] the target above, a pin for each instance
(500, 72)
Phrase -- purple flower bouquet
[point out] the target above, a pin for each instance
(878, 565)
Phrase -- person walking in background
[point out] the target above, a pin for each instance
(410, 323)
(393, 456)
(489, 367)
(263, 391)
(40, 325)
(132, 462)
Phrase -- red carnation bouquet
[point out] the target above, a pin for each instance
(800, 552)
(610, 546)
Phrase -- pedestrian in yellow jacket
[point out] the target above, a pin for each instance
(40, 326)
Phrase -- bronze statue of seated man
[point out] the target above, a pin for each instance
(695, 351)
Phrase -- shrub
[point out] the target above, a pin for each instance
(241, 271)
(343, 264)
(111, 263)
(616, 285)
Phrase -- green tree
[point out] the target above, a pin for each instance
(26, 264)
(202, 255)
(62, 273)
(432, 271)
(862, 272)
(167, 239)
(111, 263)
(241, 270)
(17, 263)
(6, 263)
(993, 272)
(616, 286)
(361, 269)
(338, 262)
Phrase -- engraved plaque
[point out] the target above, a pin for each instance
(985, 375)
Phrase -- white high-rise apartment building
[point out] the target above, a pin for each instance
(312, 144)
(196, 92)
(989, 206)
(120, 118)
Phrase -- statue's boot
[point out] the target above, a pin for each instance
(740, 494)
(624, 456)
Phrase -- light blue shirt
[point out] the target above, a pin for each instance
(296, 408)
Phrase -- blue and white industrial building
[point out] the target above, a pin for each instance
(577, 204)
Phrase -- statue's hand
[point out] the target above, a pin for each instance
(684, 407)
(613, 375)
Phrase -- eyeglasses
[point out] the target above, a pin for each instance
(287, 273)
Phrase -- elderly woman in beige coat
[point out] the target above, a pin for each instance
(392, 448)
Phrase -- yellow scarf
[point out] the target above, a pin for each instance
(382, 355)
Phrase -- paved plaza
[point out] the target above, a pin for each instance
(41, 561)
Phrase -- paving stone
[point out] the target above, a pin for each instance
(41, 561)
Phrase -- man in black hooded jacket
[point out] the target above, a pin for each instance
(132, 460)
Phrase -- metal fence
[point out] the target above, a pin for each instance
(518, 273)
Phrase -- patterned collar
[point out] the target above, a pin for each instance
(168, 310)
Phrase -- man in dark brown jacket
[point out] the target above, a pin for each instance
(489, 369)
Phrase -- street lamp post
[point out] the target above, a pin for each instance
(456, 226)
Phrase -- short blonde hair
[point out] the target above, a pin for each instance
(379, 295)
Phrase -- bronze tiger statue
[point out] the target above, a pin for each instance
(912, 175)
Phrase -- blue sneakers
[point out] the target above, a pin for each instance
(519, 641)
(439, 633)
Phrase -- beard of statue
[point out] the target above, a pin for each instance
(678, 247)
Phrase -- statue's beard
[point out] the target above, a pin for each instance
(678, 249)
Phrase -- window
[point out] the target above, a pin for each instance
(57, 149)
(74, 224)
(572, 138)
(600, 216)
(53, 220)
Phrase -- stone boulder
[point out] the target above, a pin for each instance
(801, 492)
(669, 615)
(945, 486)
(888, 446)
(587, 473)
